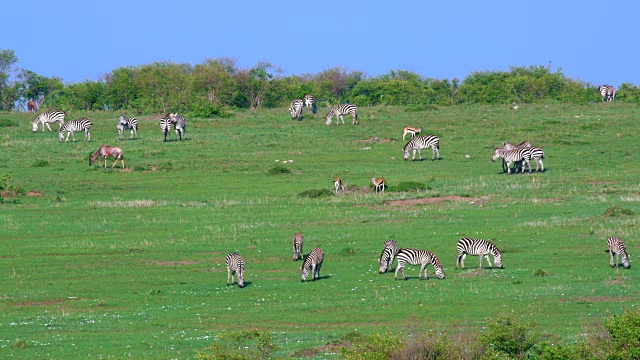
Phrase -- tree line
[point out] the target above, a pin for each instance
(217, 86)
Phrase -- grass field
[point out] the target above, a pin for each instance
(111, 264)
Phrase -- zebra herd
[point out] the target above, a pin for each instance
(338, 111)
(519, 155)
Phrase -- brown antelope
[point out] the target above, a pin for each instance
(32, 106)
(104, 151)
(338, 184)
(380, 184)
(410, 130)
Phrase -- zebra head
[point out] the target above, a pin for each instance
(497, 260)
(240, 274)
(384, 262)
(61, 132)
(329, 116)
(406, 152)
(497, 153)
(35, 123)
(439, 272)
(305, 273)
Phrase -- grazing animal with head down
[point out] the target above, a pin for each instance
(410, 130)
(235, 265)
(418, 257)
(47, 118)
(337, 183)
(312, 261)
(617, 247)
(388, 254)
(32, 106)
(341, 110)
(478, 247)
(72, 126)
(379, 184)
(103, 152)
(422, 142)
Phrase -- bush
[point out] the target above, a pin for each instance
(277, 170)
(624, 333)
(240, 345)
(372, 347)
(7, 188)
(4, 122)
(506, 336)
(616, 210)
(40, 163)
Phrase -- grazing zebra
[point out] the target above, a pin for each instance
(310, 101)
(380, 184)
(126, 123)
(478, 247)
(47, 118)
(512, 156)
(422, 142)
(337, 182)
(313, 261)
(418, 257)
(617, 246)
(296, 109)
(340, 110)
(297, 242)
(72, 126)
(608, 92)
(165, 126)
(103, 152)
(180, 123)
(410, 130)
(235, 265)
(388, 254)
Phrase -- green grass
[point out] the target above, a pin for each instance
(112, 263)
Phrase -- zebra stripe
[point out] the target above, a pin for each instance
(165, 126)
(617, 246)
(310, 101)
(341, 110)
(422, 142)
(312, 261)
(608, 92)
(75, 125)
(512, 156)
(296, 109)
(418, 257)
(478, 247)
(388, 254)
(297, 242)
(536, 154)
(47, 118)
(126, 123)
(235, 265)
(180, 123)
(510, 146)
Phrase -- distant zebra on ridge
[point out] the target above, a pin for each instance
(389, 252)
(607, 92)
(422, 142)
(296, 109)
(47, 118)
(297, 242)
(418, 257)
(180, 123)
(478, 247)
(341, 110)
(617, 246)
(235, 265)
(310, 101)
(72, 126)
(312, 261)
(126, 123)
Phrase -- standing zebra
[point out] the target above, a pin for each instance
(310, 101)
(422, 142)
(314, 261)
(165, 126)
(536, 154)
(341, 110)
(180, 123)
(608, 92)
(235, 265)
(617, 246)
(126, 123)
(72, 126)
(510, 146)
(296, 109)
(478, 247)
(512, 156)
(388, 254)
(297, 242)
(418, 257)
(47, 118)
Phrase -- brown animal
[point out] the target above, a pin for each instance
(380, 184)
(32, 106)
(338, 184)
(104, 151)
(410, 130)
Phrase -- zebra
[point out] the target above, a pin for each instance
(165, 126)
(510, 146)
(344, 109)
(312, 260)
(235, 265)
(608, 92)
(418, 257)
(296, 109)
(180, 123)
(422, 142)
(513, 156)
(481, 247)
(388, 254)
(126, 123)
(72, 126)
(310, 101)
(297, 242)
(47, 118)
(536, 154)
(617, 246)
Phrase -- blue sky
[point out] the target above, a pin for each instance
(595, 41)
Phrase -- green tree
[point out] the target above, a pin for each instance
(9, 90)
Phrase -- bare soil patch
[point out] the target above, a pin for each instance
(34, 193)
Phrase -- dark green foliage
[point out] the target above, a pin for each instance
(624, 333)
(617, 210)
(370, 347)
(506, 335)
(40, 163)
(241, 345)
(4, 122)
(541, 273)
(279, 170)
(7, 188)
(315, 193)
(407, 186)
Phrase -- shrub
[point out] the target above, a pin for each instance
(240, 345)
(616, 210)
(4, 122)
(372, 347)
(541, 273)
(7, 188)
(277, 170)
(506, 336)
(624, 333)
(40, 163)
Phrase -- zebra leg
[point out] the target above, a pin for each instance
(541, 165)
(342, 118)
(508, 167)
(313, 272)
(229, 277)
(420, 153)
(611, 258)
(488, 262)
(46, 123)
(462, 260)
(318, 271)
(400, 267)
